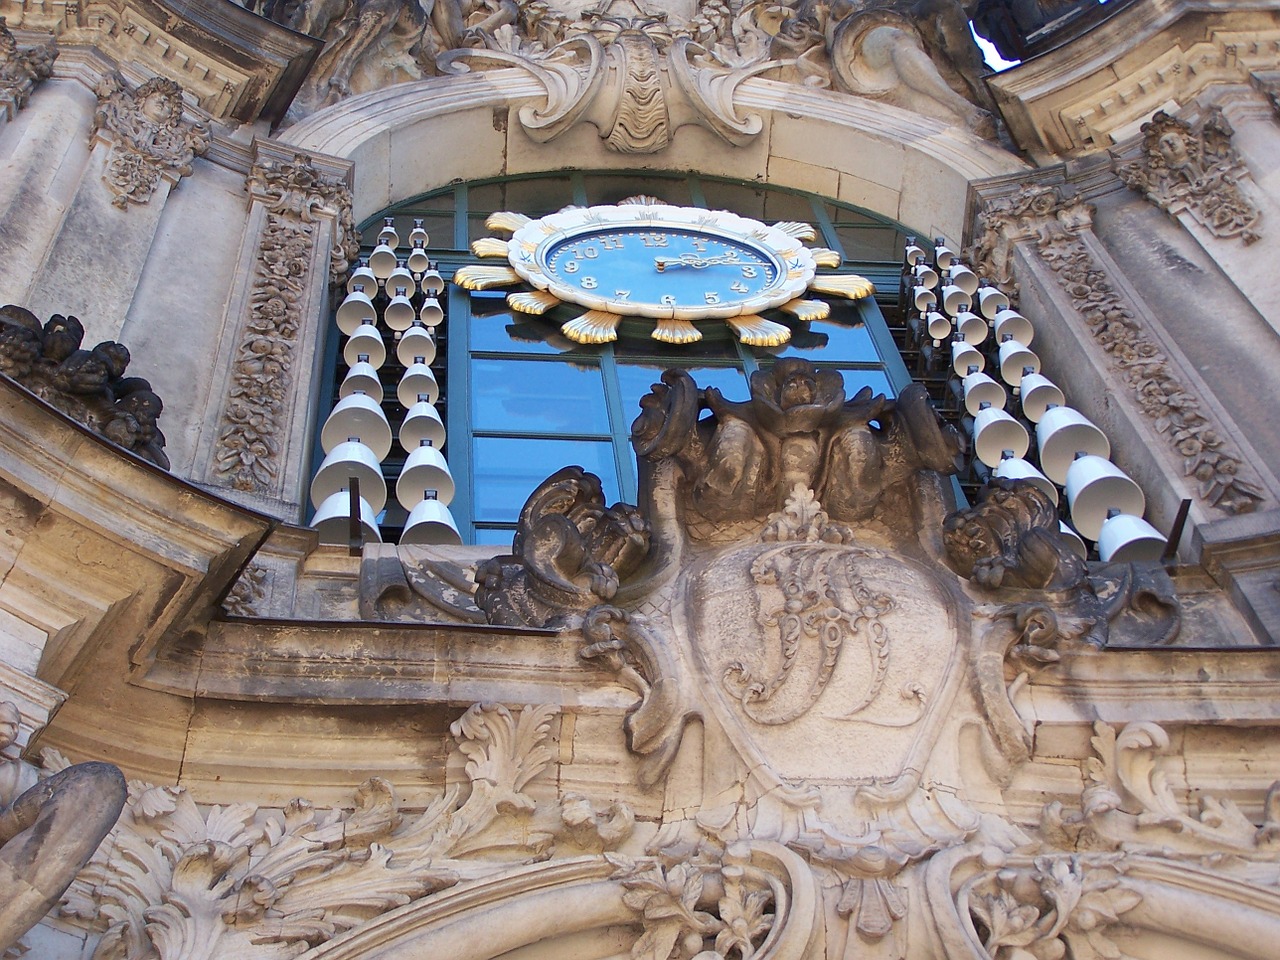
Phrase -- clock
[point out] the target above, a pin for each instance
(678, 266)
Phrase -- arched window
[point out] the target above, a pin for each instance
(520, 400)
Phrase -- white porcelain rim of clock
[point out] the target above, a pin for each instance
(530, 243)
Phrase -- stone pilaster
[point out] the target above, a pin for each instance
(299, 239)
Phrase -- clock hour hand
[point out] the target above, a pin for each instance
(697, 261)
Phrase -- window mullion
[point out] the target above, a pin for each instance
(624, 462)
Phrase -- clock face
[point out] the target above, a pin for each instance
(659, 261)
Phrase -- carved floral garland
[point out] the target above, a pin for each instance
(1055, 224)
(297, 197)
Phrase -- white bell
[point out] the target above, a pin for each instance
(1010, 323)
(383, 260)
(431, 314)
(419, 262)
(356, 309)
(994, 432)
(425, 469)
(1062, 433)
(955, 300)
(964, 278)
(939, 325)
(942, 254)
(399, 313)
(365, 341)
(332, 519)
(432, 283)
(964, 356)
(972, 327)
(418, 380)
(357, 417)
(416, 342)
(362, 378)
(422, 422)
(430, 523)
(1018, 468)
(1038, 394)
(1015, 360)
(418, 236)
(362, 276)
(979, 389)
(991, 301)
(1074, 542)
(1096, 486)
(925, 276)
(400, 277)
(350, 459)
(1129, 539)
(388, 234)
(923, 298)
(914, 252)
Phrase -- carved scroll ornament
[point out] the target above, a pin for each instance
(21, 70)
(87, 385)
(148, 137)
(299, 201)
(1053, 225)
(1196, 170)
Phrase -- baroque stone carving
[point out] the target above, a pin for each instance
(248, 592)
(180, 882)
(298, 199)
(638, 70)
(21, 70)
(1196, 170)
(148, 137)
(570, 552)
(1054, 225)
(48, 832)
(86, 385)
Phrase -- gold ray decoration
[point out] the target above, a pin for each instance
(642, 200)
(756, 331)
(825, 257)
(793, 228)
(489, 247)
(673, 330)
(484, 277)
(506, 221)
(536, 302)
(848, 285)
(807, 310)
(594, 326)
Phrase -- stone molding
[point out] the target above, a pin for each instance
(1181, 168)
(298, 201)
(1044, 220)
(146, 135)
(22, 68)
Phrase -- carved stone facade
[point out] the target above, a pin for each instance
(1196, 171)
(148, 138)
(797, 701)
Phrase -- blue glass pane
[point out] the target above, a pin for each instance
(634, 381)
(823, 340)
(855, 380)
(537, 397)
(499, 330)
(494, 536)
(507, 469)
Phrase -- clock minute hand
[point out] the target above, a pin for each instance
(696, 261)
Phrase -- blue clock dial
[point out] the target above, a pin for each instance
(661, 267)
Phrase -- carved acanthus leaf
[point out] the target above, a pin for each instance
(181, 882)
(1129, 804)
(1054, 225)
(1196, 170)
(148, 137)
